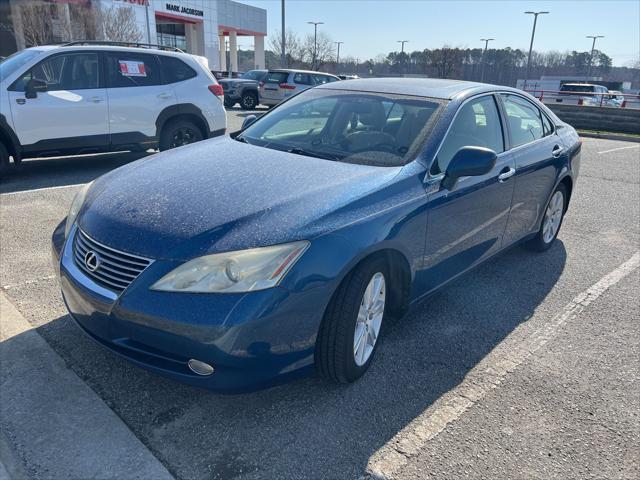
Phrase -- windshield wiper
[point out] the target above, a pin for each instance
(308, 153)
(240, 138)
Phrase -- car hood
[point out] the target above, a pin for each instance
(221, 195)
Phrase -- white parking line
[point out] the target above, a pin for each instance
(487, 375)
(57, 187)
(619, 148)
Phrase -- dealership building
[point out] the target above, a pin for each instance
(213, 29)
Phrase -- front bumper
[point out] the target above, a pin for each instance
(253, 340)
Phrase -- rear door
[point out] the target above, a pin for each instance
(467, 224)
(271, 90)
(539, 153)
(137, 94)
(72, 113)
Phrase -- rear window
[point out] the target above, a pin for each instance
(175, 70)
(577, 88)
(276, 77)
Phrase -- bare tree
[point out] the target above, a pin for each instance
(117, 24)
(37, 27)
(292, 46)
(324, 49)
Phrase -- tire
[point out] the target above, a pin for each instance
(336, 356)
(249, 101)
(4, 160)
(229, 103)
(545, 238)
(177, 133)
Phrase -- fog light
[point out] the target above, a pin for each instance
(199, 367)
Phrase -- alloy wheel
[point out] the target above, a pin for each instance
(369, 319)
(553, 217)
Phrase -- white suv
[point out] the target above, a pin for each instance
(88, 98)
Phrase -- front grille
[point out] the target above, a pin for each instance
(115, 269)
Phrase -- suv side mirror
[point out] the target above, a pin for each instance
(248, 120)
(34, 86)
(469, 161)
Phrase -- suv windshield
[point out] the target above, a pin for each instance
(253, 74)
(352, 127)
(13, 62)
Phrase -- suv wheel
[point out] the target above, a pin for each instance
(178, 133)
(4, 159)
(229, 103)
(249, 101)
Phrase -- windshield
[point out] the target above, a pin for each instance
(347, 126)
(578, 88)
(10, 64)
(253, 74)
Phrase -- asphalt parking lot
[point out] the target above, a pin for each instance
(527, 368)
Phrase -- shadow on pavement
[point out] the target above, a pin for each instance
(60, 171)
(311, 429)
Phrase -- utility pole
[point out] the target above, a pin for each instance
(593, 47)
(315, 43)
(484, 55)
(338, 57)
(402, 42)
(533, 34)
(283, 55)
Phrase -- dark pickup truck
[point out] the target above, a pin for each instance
(243, 90)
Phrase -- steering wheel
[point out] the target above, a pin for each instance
(368, 140)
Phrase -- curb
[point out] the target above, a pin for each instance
(609, 136)
(52, 422)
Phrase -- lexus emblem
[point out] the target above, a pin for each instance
(91, 260)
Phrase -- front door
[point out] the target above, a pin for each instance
(466, 224)
(72, 113)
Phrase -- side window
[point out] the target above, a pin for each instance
(125, 69)
(524, 118)
(546, 124)
(321, 79)
(76, 71)
(477, 124)
(175, 70)
(302, 79)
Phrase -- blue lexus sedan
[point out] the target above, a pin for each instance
(243, 261)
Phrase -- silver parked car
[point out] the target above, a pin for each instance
(278, 85)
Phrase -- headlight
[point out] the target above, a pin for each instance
(76, 205)
(242, 271)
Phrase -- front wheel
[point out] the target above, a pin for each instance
(178, 133)
(249, 101)
(350, 330)
(551, 222)
(229, 103)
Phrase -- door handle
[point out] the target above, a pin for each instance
(20, 101)
(507, 172)
(95, 99)
(557, 151)
(164, 95)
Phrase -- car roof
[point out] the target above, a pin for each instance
(581, 85)
(293, 70)
(111, 48)
(421, 87)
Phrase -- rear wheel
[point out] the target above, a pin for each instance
(551, 222)
(4, 159)
(178, 133)
(350, 330)
(249, 101)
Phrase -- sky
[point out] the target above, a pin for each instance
(369, 28)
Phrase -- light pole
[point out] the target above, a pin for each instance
(402, 42)
(593, 47)
(338, 57)
(283, 55)
(484, 55)
(533, 34)
(315, 42)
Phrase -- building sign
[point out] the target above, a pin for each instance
(171, 7)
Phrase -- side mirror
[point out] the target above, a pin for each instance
(469, 162)
(34, 86)
(248, 120)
